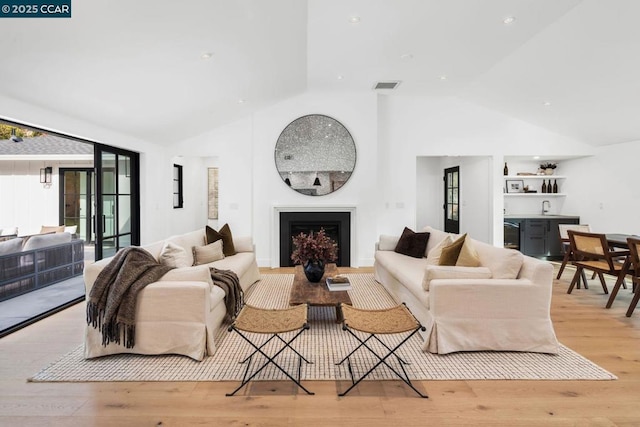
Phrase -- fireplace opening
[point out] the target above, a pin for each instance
(337, 226)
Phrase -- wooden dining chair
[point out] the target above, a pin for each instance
(634, 263)
(591, 252)
(566, 247)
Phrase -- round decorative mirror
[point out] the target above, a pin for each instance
(315, 155)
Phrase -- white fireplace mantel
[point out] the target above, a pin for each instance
(275, 226)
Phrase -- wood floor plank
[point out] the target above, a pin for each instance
(604, 336)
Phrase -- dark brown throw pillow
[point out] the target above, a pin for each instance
(412, 244)
(225, 235)
(451, 253)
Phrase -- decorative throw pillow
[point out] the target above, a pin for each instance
(206, 254)
(51, 229)
(436, 236)
(434, 254)
(9, 231)
(412, 244)
(450, 253)
(387, 242)
(173, 255)
(225, 235)
(468, 255)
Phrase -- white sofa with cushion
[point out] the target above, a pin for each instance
(180, 313)
(501, 304)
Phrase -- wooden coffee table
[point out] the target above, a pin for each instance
(318, 294)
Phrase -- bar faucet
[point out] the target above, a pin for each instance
(545, 210)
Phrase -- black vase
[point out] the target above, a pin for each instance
(314, 270)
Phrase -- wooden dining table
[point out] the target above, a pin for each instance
(619, 240)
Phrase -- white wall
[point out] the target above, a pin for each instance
(475, 199)
(230, 149)
(604, 188)
(429, 193)
(25, 202)
(194, 210)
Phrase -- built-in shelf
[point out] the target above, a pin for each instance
(534, 177)
(537, 185)
(535, 195)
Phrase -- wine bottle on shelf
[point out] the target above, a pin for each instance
(555, 185)
(506, 169)
(544, 186)
(549, 187)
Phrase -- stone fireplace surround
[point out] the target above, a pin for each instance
(275, 228)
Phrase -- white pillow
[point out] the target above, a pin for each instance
(434, 254)
(173, 255)
(453, 272)
(9, 231)
(387, 243)
(242, 244)
(206, 254)
(71, 229)
(435, 237)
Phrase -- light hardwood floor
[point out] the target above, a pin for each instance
(582, 323)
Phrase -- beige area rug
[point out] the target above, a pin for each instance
(325, 343)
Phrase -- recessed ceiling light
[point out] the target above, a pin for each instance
(536, 157)
(241, 101)
(509, 20)
(340, 77)
(207, 55)
(354, 20)
(406, 56)
(443, 77)
(547, 104)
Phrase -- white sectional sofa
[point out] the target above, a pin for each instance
(503, 304)
(180, 313)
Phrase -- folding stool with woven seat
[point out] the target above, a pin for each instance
(393, 320)
(273, 322)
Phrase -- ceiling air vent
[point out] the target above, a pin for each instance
(386, 85)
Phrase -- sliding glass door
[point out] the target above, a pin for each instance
(116, 220)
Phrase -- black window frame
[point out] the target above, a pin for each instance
(180, 192)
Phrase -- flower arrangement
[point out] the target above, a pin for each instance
(312, 246)
(548, 165)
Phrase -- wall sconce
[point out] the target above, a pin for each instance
(317, 180)
(45, 175)
(14, 137)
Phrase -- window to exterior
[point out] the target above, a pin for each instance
(178, 200)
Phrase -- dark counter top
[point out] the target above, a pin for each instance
(540, 216)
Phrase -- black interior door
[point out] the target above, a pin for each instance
(452, 200)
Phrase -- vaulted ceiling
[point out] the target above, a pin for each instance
(164, 71)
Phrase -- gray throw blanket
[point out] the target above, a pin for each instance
(111, 306)
(230, 284)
